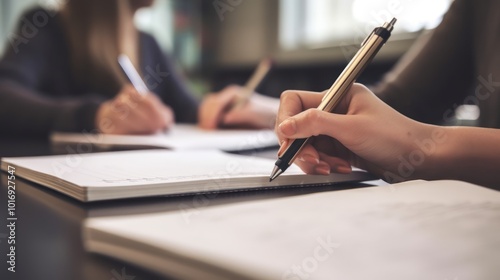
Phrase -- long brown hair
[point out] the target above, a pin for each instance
(97, 32)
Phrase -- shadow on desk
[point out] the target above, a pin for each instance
(49, 228)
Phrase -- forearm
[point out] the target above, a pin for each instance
(176, 94)
(26, 112)
(173, 90)
(468, 154)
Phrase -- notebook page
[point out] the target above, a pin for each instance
(415, 230)
(144, 167)
(180, 136)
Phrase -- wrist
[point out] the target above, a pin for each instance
(469, 154)
(434, 148)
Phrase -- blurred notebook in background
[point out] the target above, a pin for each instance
(179, 137)
(414, 230)
(114, 175)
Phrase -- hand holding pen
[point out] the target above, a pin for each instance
(134, 110)
(333, 97)
(253, 83)
(237, 106)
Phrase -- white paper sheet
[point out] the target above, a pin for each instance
(159, 172)
(415, 230)
(179, 137)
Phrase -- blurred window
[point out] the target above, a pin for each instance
(325, 23)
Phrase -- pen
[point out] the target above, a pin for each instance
(369, 48)
(132, 74)
(255, 80)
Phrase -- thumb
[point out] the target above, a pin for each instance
(314, 122)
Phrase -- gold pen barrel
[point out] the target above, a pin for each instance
(369, 48)
(351, 72)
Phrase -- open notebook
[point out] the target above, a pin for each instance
(178, 137)
(414, 230)
(101, 176)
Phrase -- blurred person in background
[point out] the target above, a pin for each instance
(66, 77)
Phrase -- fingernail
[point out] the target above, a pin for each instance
(309, 159)
(344, 169)
(323, 169)
(288, 127)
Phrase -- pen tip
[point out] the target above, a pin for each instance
(276, 172)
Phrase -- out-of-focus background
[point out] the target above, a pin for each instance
(217, 42)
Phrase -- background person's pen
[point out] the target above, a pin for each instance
(369, 48)
(132, 74)
(255, 80)
(252, 84)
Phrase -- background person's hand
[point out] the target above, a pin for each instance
(131, 113)
(258, 112)
(363, 131)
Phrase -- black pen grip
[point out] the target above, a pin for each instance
(285, 161)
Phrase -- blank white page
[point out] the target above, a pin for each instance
(181, 137)
(414, 230)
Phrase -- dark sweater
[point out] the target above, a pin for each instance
(457, 63)
(38, 93)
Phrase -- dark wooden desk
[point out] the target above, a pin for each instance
(49, 225)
